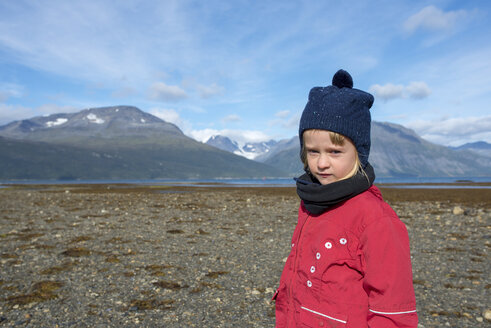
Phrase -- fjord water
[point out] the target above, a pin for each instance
(400, 182)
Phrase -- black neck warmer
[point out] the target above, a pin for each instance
(318, 198)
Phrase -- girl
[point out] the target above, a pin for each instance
(349, 264)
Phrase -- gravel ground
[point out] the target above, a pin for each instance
(163, 256)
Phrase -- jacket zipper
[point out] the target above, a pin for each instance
(296, 258)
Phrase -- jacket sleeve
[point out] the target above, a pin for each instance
(388, 277)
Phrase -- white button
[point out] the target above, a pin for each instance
(293, 245)
(312, 269)
(328, 245)
(309, 283)
(318, 255)
(343, 241)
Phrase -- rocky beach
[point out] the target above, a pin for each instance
(210, 256)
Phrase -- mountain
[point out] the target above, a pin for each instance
(105, 122)
(285, 154)
(114, 143)
(249, 150)
(124, 142)
(396, 152)
(223, 143)
(480, 147)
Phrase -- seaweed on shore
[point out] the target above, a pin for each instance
(149, 304)
(169, 285)
(65, 266)
(77, 252)
(41, 291)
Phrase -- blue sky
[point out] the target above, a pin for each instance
(244, 68)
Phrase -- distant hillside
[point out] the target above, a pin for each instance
(123, 142)
(114, 143)
(398, 152)
(285, 154)
(479, 147)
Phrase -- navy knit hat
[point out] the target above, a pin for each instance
(340, 108)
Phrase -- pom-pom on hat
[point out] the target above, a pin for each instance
(342, 109)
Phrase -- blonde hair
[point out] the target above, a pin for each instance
(338, 140)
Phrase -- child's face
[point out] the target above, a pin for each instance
(328, 162)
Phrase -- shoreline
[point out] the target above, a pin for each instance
(285, 181)
(480, 194)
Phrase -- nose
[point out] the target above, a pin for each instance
(324, 162)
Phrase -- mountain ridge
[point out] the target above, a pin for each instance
(124, 142)
(396, 151)
(118, 142)
(110, 121)
(480, 147)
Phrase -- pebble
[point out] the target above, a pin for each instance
(457, 210)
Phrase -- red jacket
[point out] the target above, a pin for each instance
(348, 267)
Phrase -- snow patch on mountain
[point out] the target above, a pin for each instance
(94, 119)
(249, 150)
(59, 121)
(253, 150)
(245, 154)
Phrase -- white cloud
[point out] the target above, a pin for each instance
(164, 92)
(231, 118)
(432, 18)
(196, 109)
(293, 122)
(172, 116)
(418, 90)
(286, 120)
(48, 109)
(174, 41)
(389, 91)
(203, 135)
(124, 92)
(210, 90)
(8, 90)
(9, 113)
(454, 131)
(104, 40)
(168, 115)
(96, 40)
(241, 136)
(282, 114)
(463, 75)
